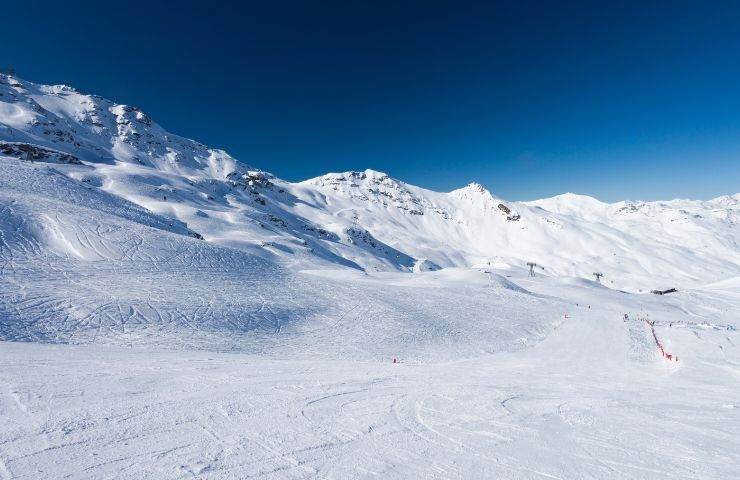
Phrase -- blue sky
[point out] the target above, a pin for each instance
(531, 100)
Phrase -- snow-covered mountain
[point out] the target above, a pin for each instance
(364, 220)
(229, 324)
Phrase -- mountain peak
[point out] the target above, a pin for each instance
(569, 203)
(726, 200)
(477, 187)
(354, 178)
(473, 191)
(570, 197)
(375, 173)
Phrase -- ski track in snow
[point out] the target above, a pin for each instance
(590, 399)
(567, 408)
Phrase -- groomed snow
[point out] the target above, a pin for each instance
(592, 400)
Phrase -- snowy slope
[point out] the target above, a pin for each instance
(116, 273)
(593, 399)
(218, 322)
(635, 244)
(367, 219)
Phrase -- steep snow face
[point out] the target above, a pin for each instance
(370, 187)
(366, 219)
(118, 149)
(97, 130)
(442, 227)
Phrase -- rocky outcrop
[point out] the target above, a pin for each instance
(35, 153)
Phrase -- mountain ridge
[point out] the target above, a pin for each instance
(361, 219)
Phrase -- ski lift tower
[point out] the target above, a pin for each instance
(598, 276)
(531, 266)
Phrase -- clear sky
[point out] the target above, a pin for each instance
(528, 99)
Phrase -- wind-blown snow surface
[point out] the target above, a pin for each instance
(213, 321)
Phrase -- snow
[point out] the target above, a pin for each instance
(589, 401)
(15, 116)
(167, 311)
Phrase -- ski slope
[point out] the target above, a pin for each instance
(167, 311)
(592, 400)
(118, 274)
